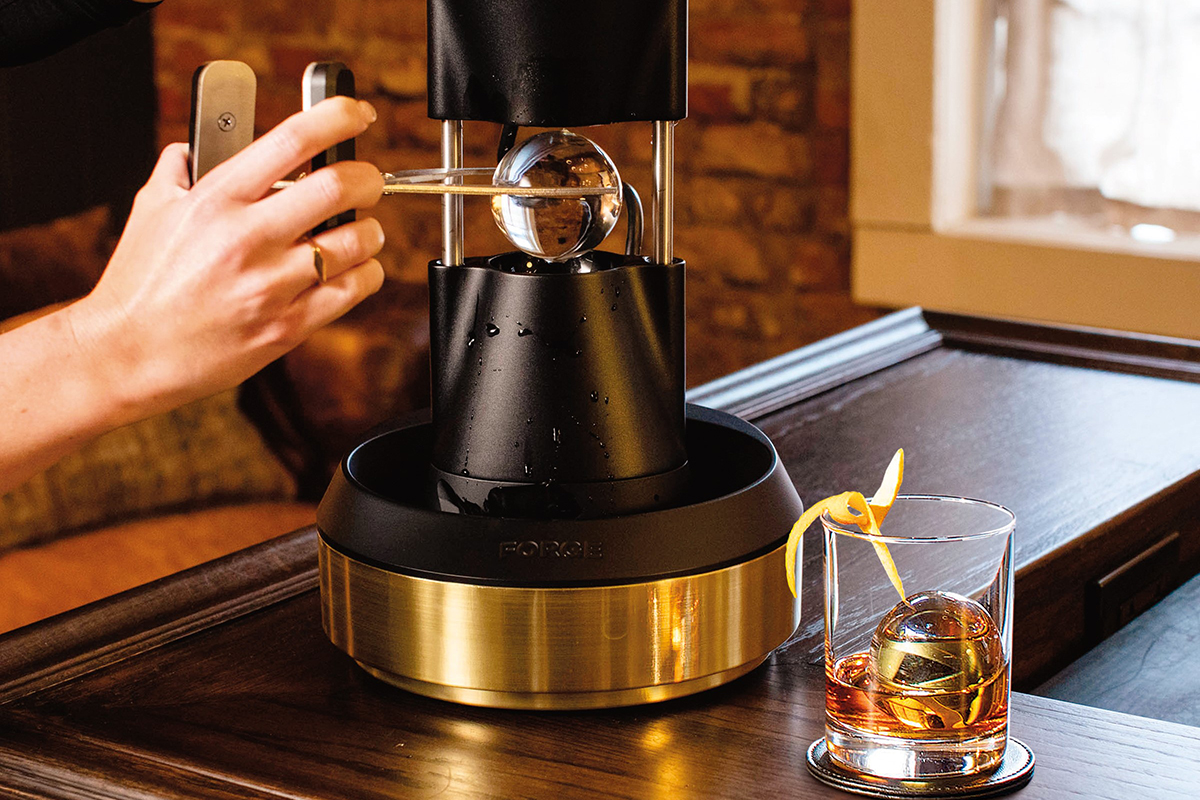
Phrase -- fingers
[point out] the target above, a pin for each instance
(324, 303)
(342, 248)
(249, 174)
(288, 214)
(170, 175)
(172, 167)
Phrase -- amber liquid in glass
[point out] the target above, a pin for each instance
(935, 670)
(854, 699)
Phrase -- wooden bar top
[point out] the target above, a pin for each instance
(218, 682)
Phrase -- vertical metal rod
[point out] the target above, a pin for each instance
(452, 206)
(634, 216)
(663, 144)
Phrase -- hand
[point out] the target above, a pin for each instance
(209, 284)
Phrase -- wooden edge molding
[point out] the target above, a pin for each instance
(1114, 351)
(756, 391)
(102, 633)
(759, 390)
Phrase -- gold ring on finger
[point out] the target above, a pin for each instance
(318, 260)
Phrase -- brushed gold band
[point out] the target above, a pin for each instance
(562, 701)
(557, 648)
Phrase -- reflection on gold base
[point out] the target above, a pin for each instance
(562, 701)
(557, 648)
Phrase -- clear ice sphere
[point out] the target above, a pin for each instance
(557, 229)
(936, 642)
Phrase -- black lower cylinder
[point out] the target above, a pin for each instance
(557, 395)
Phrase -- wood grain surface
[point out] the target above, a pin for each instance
(1147, 668)
(219, 682)
(264, 706)
(1096, 466)
(92, 637)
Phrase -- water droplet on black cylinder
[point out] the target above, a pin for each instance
(471, 342)
(614, 306)
(583, 319)
(524, 332)
(491, 329)
(595, 397)
(528, 470)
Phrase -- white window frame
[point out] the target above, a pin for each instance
(917, 72)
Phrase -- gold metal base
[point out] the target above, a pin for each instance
(562, 701)
(557, 648)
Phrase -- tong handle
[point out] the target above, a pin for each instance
(222, 122)
(322, 80)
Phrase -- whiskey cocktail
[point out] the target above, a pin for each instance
(917, 642)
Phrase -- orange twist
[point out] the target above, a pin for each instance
(851, 508)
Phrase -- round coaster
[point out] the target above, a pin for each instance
(1014, 771)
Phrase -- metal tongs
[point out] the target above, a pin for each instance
(438, 181)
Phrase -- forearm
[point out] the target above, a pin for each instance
(57, 392)
(207, 285)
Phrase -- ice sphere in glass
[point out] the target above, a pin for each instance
(557, 229)
(938, 661)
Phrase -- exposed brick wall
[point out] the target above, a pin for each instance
(762, 159)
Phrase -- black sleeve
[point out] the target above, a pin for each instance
(32, 29)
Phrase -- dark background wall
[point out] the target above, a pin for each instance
(77, 140)
(76, 128)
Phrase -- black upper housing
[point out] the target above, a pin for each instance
(558, 379)
(552, 63)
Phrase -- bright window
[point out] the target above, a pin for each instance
(1036, 159)
(1094, 114)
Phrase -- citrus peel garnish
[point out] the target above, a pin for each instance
(851, 508)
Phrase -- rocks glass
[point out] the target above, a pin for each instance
(917, 687)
